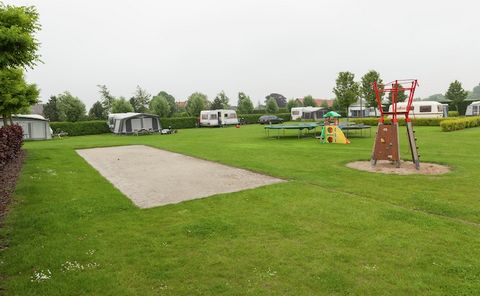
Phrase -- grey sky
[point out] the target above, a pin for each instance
(294, 48)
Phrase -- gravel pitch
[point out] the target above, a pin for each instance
(153, 177)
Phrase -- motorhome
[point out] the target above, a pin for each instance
(128, 123)
(422, 109)
(308, 112)
(473, 109)
(219, 117)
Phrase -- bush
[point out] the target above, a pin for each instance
(81, 128)
(416, 121)
(459, 123)
(178, 122)
(453, 114)
(11, 140)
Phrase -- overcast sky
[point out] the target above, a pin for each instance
(294, 48)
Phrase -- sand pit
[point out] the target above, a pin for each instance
(406, 168)
(152, 177)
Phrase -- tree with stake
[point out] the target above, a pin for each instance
(456, 94)
(346, 90)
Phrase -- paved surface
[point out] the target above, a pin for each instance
(152, 177)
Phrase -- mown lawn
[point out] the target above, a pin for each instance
(329, 230)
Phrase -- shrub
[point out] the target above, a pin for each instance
(178, 122)
(453, 114)
(80, 128)
(11, 140)
(459, 123)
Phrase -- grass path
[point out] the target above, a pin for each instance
(329, 230)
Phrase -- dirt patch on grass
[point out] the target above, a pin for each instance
(8, 179)
(406, 168)
(153, 177)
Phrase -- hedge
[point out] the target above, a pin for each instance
(453, 114)
(178, 122)
(416, 121)
(80, 128)
(459, 123)
(253, 118)
(11, 140)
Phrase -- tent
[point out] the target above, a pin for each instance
(128, 123)
(35, 127)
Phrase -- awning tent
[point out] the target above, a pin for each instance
(128, 123)
(35, 127)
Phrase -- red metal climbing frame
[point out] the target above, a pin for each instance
(394, 87)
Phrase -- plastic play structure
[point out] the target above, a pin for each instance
(387, 144)
(331, 132)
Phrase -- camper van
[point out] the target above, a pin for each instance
(307, 112)
(423, 109)
(219, 117)
(473, 109)
(128, 123)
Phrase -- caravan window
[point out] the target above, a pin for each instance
(213, 116)
(440, 108)
(232, 115)
(205, 116)
(295, 112)
(427, 108)
(225, 115)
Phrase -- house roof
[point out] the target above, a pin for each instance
(181, 104)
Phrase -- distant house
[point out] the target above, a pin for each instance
(181, 105)
(318, 102)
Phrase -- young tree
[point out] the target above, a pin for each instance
(245, 105)
(50, 110)
(279, 99)
(121, 105)
(18, 43)
(140, 100)
(308, 101)
(272, 106)
(106, 98)
(196, 102)
(15, 93)
(70, 107)
(291, 104)
(160, 106)
(456, 94)
(401, 95)
(171, 102)
(346, 90)
(96, 112)
(366, 88)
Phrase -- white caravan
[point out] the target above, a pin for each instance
(308, 112)
(218, 117)
(423, 109)
(473, 109)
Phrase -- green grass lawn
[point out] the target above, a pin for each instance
(329, 230)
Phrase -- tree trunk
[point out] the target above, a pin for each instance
(5, 120)
(11, 121)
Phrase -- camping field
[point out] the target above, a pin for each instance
(328, 230)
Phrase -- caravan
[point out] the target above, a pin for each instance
(423, 109)
(219, 117)
(129, 123)
(308, 112)
(473, 109)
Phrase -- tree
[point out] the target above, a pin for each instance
(140, 100)
(272, 106)
(291, 104)
(18, 43)
(220, 101)
(346, 90)
(366, 88)
(456, 94)
(436, 97)
(15, 93)
(97, 111)
(475, 93)
(401, 95)
(279, 99)
(196, 102)
(50, 110)
(171, 101)
(245, 105)
(308, 101)
(121, 105)
(106, 98)
(70, 107)
(160, 106)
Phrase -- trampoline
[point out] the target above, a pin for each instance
(306, 127)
